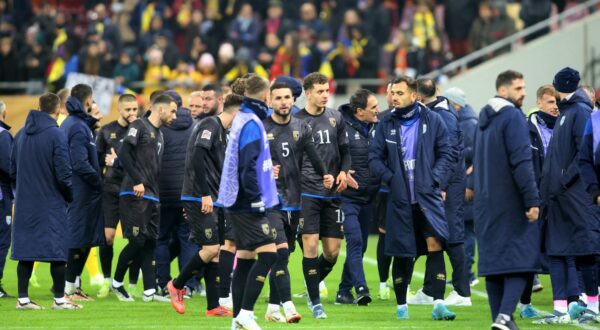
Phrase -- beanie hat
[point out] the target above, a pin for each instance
(292, 83)
(566, 80)
(175, 96)
(455, 95)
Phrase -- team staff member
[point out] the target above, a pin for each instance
(203, 165)
(360, 116)
(41, 170)
(247, 189)
(453, 187)
(506, 203)
(141, 155)
(411, 154)
(572, 228)
(321, 215)
(109, 140)
(6, 194)
(288, 138)
(85, 221)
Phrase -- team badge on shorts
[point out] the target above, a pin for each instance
(265, 228)
(332, 121)
(208, 233)
(135, 231)
(296, 135)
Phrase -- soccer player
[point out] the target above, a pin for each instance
(212, 100)
(41, 170)
(109, 140)
(204, 163)
(85, 221)
(6, 194)
(321, 215)
(247, 189)
(360, 116)
(140, 156)
(453, 187)
(572, 228)
(288, 138)
(506, 203)
(411, 154)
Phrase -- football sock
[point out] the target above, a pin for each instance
(211, 272)
(434, 283)
(106, 259)
(148, 264)
(310, 267)
(57, 270)
(402, 269)
(325, 267)
(191, 268)
(238, 283)
(383, 261)
(257, 277)
(226, 259)
(24, 270)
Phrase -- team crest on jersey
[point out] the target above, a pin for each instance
(265, 228)
(135, 231)
(208, 233)
(132, 132)
(8, 220)
(332, 121)
(113, 136)
(296, 135)
(270, 137)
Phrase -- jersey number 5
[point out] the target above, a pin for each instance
(286, 149)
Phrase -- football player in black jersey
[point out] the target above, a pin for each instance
(203, 166)
(321, 215)
(140, 155)
(108, 141)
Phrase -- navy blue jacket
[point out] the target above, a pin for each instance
(537, 147)
(176, 137)
(360, 136)
(6, 143)
(42, 171)
(85, 216)
(432, 164)
(467, 121)
(504, 189)
(573, 221)
(456, 183)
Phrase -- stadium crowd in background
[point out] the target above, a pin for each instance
(182, 45)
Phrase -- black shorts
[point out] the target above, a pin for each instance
(321, 216)
(110, 206)
(251, 230)
(226, 231)
(140, 217)
(423, 229)
(278, 221)
(204, 228)
(381, 209)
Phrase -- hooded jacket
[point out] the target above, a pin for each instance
(85, 214)
(504, 189)
(433, 161)
(572, 219)
(176, 136)
(41, 169)
(360, 137)
(467, 121)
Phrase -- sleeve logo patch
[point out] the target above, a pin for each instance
(206, 134)
(132, 132)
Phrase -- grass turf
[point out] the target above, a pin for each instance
(109, 312)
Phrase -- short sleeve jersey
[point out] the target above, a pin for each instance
(287, 142)
(329, 133)
(111, 136)
(210, 135)
(147, 142)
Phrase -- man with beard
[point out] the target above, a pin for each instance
(212, 101)
(141, 154)
(85, 221)
(571, 234)
(204, 163)
(506, 204)
(289, 138)
(321, 215)
(109, 140)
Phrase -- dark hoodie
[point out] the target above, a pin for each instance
(85, 218)
(176, 136)
(573, 219)
(504, 188)
(360, 136)
(41, 169)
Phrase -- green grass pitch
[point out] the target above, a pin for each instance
(110, 313)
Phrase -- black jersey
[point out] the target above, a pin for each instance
(210, 135)
(111, 136)
(287, 142)
(147, 149)
(329, 133)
